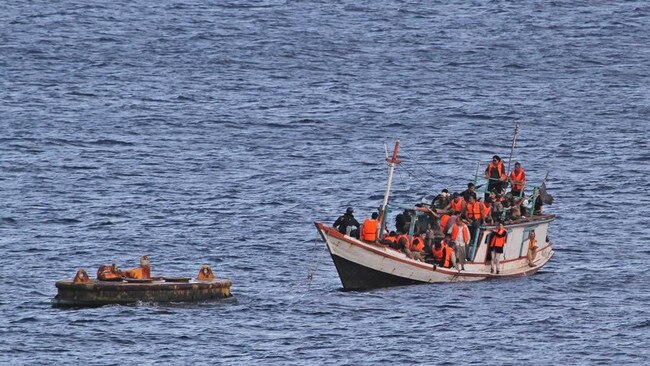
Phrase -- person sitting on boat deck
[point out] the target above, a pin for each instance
(460, 237)
(497, 242)
(517, 181)
(345, 223)
(496, 175)
(497, 206)
(457, 204)
(403, 221)
(370, 228)
(390, 240)
(516, 208)
(415, 249)
(487, 210)
(441, 200)
(469, 192)
(443, 253)
(433, 218)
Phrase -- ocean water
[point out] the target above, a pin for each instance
(218, 132)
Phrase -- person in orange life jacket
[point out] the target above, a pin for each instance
(532, 248)
(457, 204)
(517, 181)
(496, 175)
(441, 200)
(370, 228)
(487, 210)
(390, 240)
(469, 192)
(346, 221)
(497, 242)
(415, 249)
(443, 253)
(460, 237)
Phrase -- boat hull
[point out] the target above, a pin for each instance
(98, 293)
(363, 265)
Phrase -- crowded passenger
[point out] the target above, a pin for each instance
(469, 192)
(460, 237)
(457, 204)
(497, 242)
(496, 175)
(345, 223)
(441, 200)
(370, 228)
(517, 181)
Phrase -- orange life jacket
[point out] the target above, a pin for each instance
(449, 252)
(438, 253)
(499, 238)
(406, 239)
(455, 230)
(487, 209)
(518, 178)
(390, 238)
(457, 205)
(443, 221)
(474, 211)
(369, 232)
(499, 171)
(417, 244)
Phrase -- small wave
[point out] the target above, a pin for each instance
(7, 220)
(111, 142)
(62, 221)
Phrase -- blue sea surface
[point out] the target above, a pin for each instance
(218, 132)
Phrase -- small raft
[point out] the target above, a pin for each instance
(122, 289)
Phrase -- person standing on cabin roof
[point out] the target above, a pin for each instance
(517, 181)
(497, 242)
(345, 222)
(370, 228)
(469, 192)
(496, 174)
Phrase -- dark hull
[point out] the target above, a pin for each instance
(356, 277)
(98, 293)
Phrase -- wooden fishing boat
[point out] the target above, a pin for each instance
(119, 289)
(363, 265)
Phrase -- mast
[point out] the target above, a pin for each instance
(512, 149)
(391, 167)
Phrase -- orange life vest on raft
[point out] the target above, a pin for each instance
(499, 238)
(369, 232)
(107, 273)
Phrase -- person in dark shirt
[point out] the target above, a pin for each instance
(469, 192)
(441, 200)
(347, 220)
